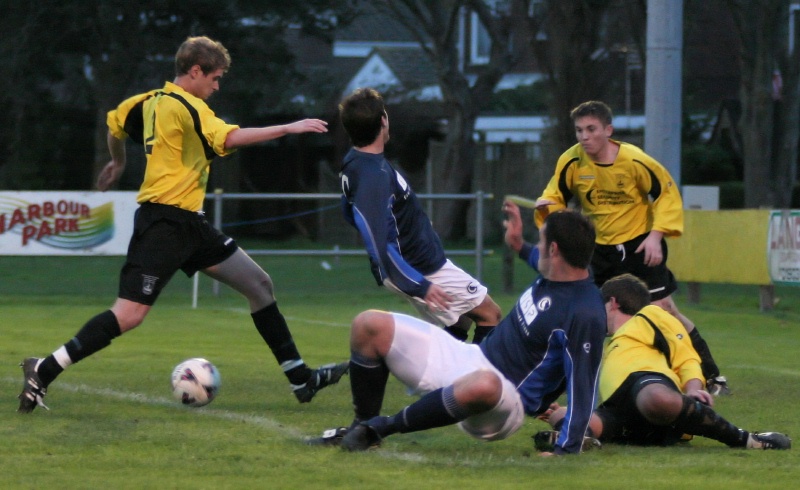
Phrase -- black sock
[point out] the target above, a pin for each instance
(95, 335)
(699, 419)
(275, 332)
(481, 331)
(457, 332)
(368, 384)
(707, 364)
(436, 409)
(48, 370)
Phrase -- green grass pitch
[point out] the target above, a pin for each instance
(114, 424)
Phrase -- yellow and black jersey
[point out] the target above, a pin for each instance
(624, 199)
(652, 340)
(181, 135)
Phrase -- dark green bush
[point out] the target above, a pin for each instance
(731, 195)
(703, 164)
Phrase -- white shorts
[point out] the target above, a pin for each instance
(426, 358)
(467, 293)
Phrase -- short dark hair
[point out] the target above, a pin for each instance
(575, 235)
(630, 292)
(361, 114)
(593, 108)
(210, 55)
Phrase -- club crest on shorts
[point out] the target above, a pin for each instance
(472, 288)
(148, 284)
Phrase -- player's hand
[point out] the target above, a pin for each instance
(547, 413)
(651, 246)
(307, 126)
(436, 299)
(542, 203)
(513, 226)
(108, 176)
(702, 396)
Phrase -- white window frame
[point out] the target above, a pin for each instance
(476, 29)
(794, 11)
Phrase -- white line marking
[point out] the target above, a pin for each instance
(784, 372)
(295, 319)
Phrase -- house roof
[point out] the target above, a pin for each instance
(372, 25)
(395, 69)
(413, 67)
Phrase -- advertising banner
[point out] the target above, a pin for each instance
(783, 247)
(66, 223)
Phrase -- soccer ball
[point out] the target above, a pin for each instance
(195, 382)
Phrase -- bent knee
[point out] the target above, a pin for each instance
(659, 406)
(370, 323)
(371, 333)
(370, 319)
(129, 319)
(482, 391)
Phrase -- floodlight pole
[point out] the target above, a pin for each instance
(663, 94)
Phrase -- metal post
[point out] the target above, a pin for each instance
(479, 235)
(429, 186)
(195, 289)
(662, 136)
(217, 225)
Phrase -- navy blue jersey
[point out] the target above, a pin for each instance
(551, 342)
(398, 235)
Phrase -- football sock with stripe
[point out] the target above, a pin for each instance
(699, 419)
(436, 409)
(272, 326)
(95, 335)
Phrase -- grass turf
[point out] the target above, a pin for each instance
(114, 424)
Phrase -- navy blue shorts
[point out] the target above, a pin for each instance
(165, 239)
(612, 260)
(622, 422)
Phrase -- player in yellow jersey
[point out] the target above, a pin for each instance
(651, 385)
(181, 136)
(634, 203)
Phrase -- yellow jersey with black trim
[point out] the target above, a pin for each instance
(181, 136)
(652, 340)
(624, 199)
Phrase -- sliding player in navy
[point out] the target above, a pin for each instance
(405, 253)
(550, 343)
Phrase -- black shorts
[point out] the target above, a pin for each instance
(612, 260)
(165, 239)
(622, 422)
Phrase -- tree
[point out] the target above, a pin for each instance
(577, 55)
(436, 24)
(770, 96)
(45, 96)
(85, 56)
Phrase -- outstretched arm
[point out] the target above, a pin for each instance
(513, 236)
(513, 226)
(250, 136)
